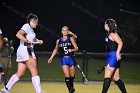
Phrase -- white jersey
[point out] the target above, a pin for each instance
(22, 51)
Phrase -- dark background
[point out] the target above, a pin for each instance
(54, 14)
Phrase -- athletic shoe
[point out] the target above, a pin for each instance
(4, 91)
(72, 90)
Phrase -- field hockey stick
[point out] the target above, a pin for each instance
(100, 70)
(82, 73)
(80, 69)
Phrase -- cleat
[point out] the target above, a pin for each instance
(4, 91)
(72, 90)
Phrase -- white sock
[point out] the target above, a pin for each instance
(12, 81)
(36, 84)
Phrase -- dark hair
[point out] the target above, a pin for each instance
(112, 25)
(31, 16)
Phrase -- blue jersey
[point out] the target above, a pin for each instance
(64, 46)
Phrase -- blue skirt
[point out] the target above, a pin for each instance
(112, 60)
(67, 60)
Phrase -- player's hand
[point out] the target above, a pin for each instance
(118, 56)
(28, 43)
(69, 32)
(49, 61)
(40, 42)
(70, 50)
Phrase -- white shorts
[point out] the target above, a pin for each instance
(23, 55)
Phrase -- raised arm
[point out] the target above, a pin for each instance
(74, 45)
(73, 35)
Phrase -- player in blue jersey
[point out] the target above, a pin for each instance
(113, 47)
(66, 45)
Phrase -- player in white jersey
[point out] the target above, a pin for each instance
(25, 55)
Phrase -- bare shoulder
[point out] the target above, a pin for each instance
(57, 41)
(114, 35)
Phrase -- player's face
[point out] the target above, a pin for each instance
(33, 23)
(106, 27)
(65, 31)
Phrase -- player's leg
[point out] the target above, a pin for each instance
(65, 69)
(72, 73)
(20, 72)
(32, 65)
(118, 81)
(108, 74)
(109, 70)
(72, 77)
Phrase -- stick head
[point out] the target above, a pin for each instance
(99, 71)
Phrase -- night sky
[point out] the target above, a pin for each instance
(54, 14)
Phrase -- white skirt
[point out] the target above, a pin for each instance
(23, 54)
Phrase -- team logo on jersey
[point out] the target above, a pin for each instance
(64, 44)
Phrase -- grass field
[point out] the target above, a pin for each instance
(130, 70)
(59, 87)
(53, 72)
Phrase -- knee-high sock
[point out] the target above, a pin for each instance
(36, 84)
(121, 86)
(106, 85)
(71, 81)
(67, 80)
(11, 82)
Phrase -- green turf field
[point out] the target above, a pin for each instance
(52, 72)
(59, 87)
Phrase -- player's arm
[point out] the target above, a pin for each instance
(40, 41)
(1, 41)
(118, 40)
(54, 52)
(74, 45)
(21, 35)
(73, 35)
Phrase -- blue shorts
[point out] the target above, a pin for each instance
(68, 61)
(112, 60)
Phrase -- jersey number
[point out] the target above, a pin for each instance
(66, 50)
